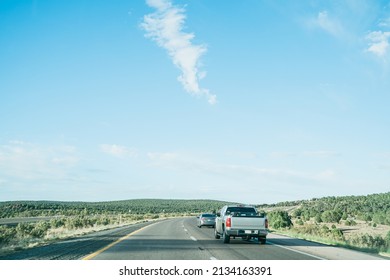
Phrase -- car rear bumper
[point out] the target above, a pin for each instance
(207, 223)
(248, 232)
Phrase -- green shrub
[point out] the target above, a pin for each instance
(279, 219)
(23, 230)
(40, 229)
(318, 218)
(57, 223)
(331, 216)
(350, 223)
(7, 234)
(377, 242)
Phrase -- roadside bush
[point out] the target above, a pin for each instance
(388, 237)
(57, 223)
(23, 230)
(297, 213)
(279, 219)
(77, 222)
(350, 223)
(318, 218)
(331, 216)
(336, 234)
(7, 234)
(322, 231)
(40, 229)
(103, 220)
(368, 241)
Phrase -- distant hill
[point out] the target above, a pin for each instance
(373, 207)
(134, 206)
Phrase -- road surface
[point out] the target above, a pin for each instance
(181, 239)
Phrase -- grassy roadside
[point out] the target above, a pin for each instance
(362, 237)
(331, 242)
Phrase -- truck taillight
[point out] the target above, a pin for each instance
(228, 222)
(266, 223)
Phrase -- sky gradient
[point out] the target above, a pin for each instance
(251, 101)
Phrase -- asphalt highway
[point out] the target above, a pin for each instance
(181, 239)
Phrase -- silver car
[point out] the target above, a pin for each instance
(206, 220)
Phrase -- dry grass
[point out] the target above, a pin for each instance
(362, 227)
(55, 234)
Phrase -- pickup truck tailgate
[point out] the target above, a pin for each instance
(250, 222)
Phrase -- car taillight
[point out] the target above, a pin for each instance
(266, 223)
(228, 222)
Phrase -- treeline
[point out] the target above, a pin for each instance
(13, 209)
(371, 208)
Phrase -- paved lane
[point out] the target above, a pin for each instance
(181, 239)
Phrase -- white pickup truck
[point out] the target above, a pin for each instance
(240, 221)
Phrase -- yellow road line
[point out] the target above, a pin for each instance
(91, 256)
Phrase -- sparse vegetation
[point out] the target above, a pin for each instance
(333, 220)
(337, 220)
(70, 218)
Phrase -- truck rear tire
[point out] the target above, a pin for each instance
(226, 237)
(262, 240)
(216, 234)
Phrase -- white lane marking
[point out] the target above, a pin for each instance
(296, 251)
(194, 239)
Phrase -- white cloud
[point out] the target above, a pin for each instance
(378, 43)
(30, 161)
(385, 23)
(165, 27)
(329, 24)
(326, 175)
(321, 154)
(118, 151)
(313, 154)
(236, 172)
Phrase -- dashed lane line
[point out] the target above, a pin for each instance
(193, 238)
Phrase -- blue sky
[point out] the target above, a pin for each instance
(247, 101)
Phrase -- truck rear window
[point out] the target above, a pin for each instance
(246, 210)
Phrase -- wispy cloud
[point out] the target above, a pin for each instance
(312, 154)
(165, 26)
(321, 154)
(30, 161)
(118, 151)
(237, 172)
(378, 42)
(385, 22)
(327, 23)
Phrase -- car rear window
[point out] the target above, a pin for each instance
(208, 215)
